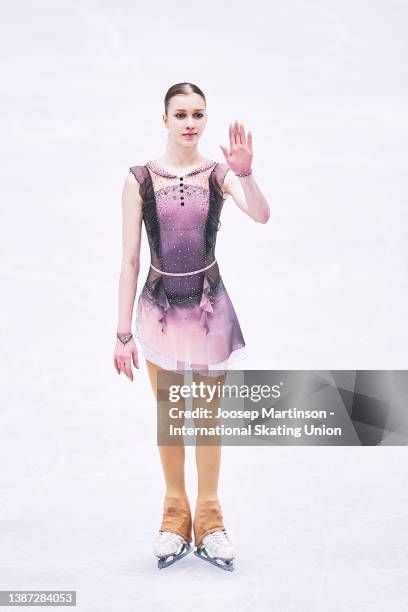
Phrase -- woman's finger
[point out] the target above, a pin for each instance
(128, 369)
(225, 151)
(242, 134)
(115, 363)
(231, 136)
(236, 132)
(249, 141)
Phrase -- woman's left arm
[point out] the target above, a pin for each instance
(243, 189)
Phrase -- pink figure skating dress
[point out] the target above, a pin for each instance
(185, 321)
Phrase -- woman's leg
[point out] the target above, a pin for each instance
(208, 514)
(208, 457)
(172, 457)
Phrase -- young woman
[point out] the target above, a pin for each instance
(185, 319)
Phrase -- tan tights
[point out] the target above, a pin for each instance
(208, 458)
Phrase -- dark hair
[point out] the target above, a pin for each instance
(181, 88)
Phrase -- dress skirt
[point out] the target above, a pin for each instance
(206, 336)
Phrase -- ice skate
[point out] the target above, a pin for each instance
(174, 539)
(211, 539)
(170, 547)
(216, 548)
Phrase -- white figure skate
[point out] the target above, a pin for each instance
(170, 547)
(217, 548)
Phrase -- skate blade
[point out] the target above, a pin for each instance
(225, 564)
(166, 561)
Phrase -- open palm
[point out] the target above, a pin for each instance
(239, 157)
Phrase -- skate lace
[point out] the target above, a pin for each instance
(219, 537)
(167, 536)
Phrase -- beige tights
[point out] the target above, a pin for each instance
(208, 458)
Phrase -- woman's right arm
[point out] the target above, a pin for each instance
(132, 216)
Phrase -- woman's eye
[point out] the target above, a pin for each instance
(180, 115)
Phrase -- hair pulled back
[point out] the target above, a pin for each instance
(183, 89)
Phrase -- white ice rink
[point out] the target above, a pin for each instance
(323, 88)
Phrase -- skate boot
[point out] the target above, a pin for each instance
(174, 539)
(212, 542)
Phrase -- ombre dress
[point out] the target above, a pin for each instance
(185, 321)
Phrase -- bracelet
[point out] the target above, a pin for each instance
(124, 338)
(243, 173)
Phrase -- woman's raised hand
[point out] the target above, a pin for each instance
(123, 356)
(239, 157)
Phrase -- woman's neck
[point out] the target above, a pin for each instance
(179, 157)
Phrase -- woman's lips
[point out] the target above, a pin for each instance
(189, 135)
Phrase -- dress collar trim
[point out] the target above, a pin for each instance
(155, 167)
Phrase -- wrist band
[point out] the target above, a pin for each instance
(243, 173)
(124, 338)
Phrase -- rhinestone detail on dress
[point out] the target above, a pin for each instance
(155, 167)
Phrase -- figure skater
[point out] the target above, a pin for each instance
(184, 318)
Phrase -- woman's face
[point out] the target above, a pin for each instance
(186, 114)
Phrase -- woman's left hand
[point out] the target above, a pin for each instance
(239, 158)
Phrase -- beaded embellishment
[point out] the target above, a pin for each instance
(155, 167)
(244, 173)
